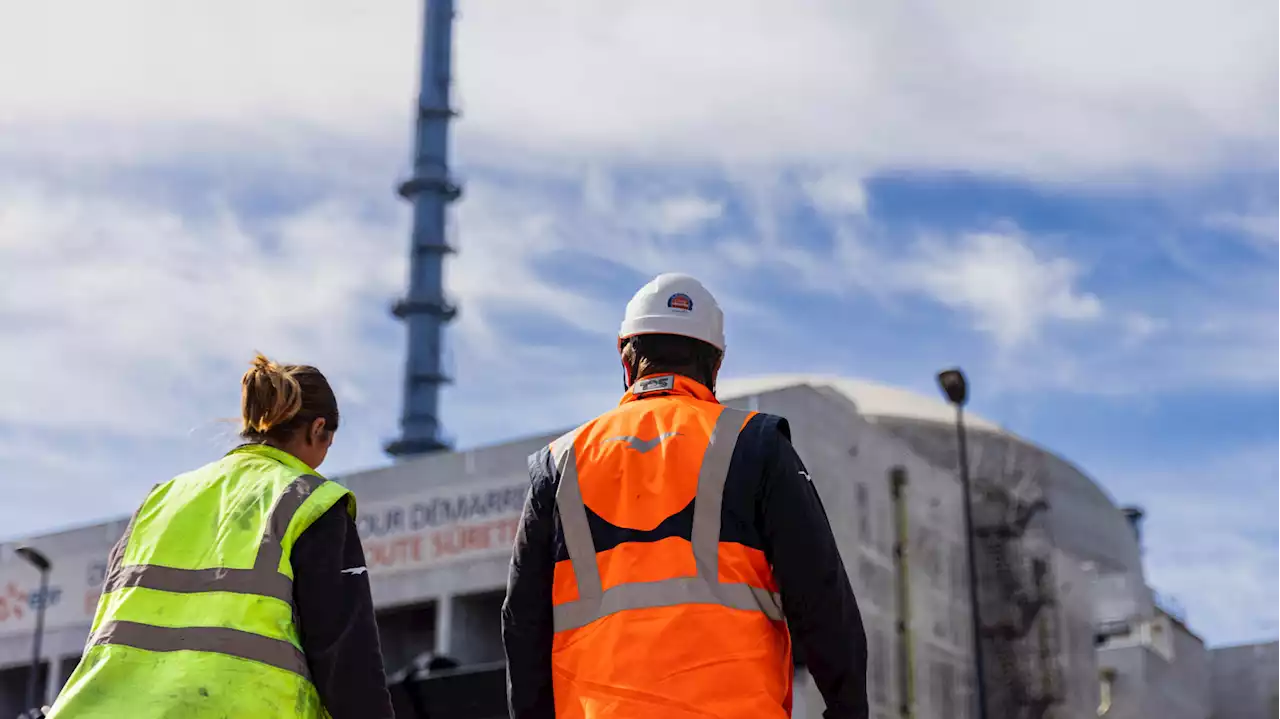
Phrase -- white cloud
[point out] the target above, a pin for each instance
(552, 86)
(999, 280)
(121, 308)
(598, 194)
(524, 223)
(680, 215)
(1039, 90)
(1256, 220)
(1025, 294)
(133, 321)
(238, 63)
(508, 223)
(1265, 227)
(837, 193)
(1140, 327)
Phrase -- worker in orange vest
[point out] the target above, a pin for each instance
(672, 548)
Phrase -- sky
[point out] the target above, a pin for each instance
(1076, 202)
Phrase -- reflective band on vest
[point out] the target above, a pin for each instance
(220, 640)
(594, 603)
(264, 579)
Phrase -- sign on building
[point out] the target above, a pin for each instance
(460, 523)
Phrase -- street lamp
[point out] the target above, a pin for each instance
(41, 563)
(956, 389)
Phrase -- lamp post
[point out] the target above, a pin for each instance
(41, 563)
(956, 389)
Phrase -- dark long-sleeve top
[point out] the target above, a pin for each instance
(769, 502)
(336, 620)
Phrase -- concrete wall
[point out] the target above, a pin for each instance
(1243, 684)
(1178, 685)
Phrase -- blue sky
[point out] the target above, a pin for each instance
(1083, 217)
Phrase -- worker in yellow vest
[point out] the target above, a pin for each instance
(240, 589)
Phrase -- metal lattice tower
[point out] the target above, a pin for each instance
(430, 190)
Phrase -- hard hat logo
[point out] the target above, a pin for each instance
(680, 302)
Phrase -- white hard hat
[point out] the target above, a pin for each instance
(674, 304)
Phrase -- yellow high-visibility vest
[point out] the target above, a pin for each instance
(196, 617)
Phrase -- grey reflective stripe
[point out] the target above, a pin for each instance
(573, 520)
(711, 479)
(666, 593)
(271, 551)
(219, 640)
(594, 603)
(169, 579)
(264, 579)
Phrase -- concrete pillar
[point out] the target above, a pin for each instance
(444, 625)
(53, 682)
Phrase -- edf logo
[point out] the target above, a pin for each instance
(680, 302)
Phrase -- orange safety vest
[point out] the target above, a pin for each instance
(655, 617)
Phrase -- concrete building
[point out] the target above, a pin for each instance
(1244, 681)
(1059, 564)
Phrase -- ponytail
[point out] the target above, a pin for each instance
(277, 399)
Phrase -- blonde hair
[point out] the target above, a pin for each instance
(278, 399)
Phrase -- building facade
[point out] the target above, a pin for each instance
(1058, 565)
